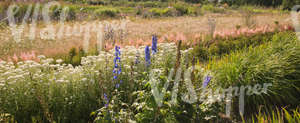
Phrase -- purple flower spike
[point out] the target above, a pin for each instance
(117, 67)
(154, 44)
(147, 56)
(206, 81)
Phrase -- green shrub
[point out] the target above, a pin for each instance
(212, 8)
(74, 56)
(191, 11)
(169, 12)
(166, 12)
(147, 14)
(181, 8)
(20, 14)
(107, 12)
(139, 10)
(208, 7)
(201, 52)
(152, 4)
(71, 13)
(99, 2)
(156, 12)
(56, 13)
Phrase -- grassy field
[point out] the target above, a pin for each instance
(140, 29)
(159, 62)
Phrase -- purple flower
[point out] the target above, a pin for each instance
(154, 44)
(117, 67)
(115, 77)
(206, 81)
(117, 60)
(147, 56)
(117, 85)
(106, 99)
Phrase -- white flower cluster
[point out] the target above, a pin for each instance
(91, 66)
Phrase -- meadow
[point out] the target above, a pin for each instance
(150, 61)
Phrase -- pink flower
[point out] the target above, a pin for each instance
(9, 59)
(15, 58)
(108, 46)
(180, 36)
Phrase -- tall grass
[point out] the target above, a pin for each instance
(204, 51)
(276, 62)
(276, 116)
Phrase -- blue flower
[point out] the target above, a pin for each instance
(117, 59)
(154, 44)
(117, 85)
(206, 81)
(117, 67)
(115, 77)
(117, 48)
(147, 56)
(119, 71)
(106, 99)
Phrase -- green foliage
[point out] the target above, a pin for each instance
(107, 12)
(156, 11)
(275, 62)
(177, 10)
(163, 12)
(193, 11)
(212, 8)
(219, 47)
(152, 4)
(38, 99)
(181, 8)
(57, 12)
(98, 2)
(277, 116)
(287, 4)
(74, 56)
(112, 8)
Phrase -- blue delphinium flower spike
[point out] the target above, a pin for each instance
(147, 56)
(206, 81)
(117, 67)
(154, 44)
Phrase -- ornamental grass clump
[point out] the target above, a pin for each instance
(276, 62)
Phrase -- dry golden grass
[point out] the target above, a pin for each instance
(138, 29)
